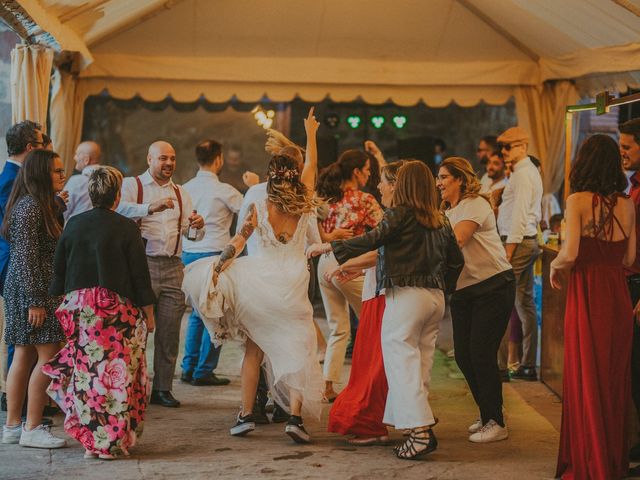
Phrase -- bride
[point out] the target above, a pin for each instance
(263, 298)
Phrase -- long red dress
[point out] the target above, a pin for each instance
(597, 357)
(359, 408)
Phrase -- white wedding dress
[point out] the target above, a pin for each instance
(264, 297)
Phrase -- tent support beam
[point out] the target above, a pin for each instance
(499, 29)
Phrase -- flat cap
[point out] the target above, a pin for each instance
(513, 135)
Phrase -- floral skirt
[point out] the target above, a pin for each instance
(99, 378)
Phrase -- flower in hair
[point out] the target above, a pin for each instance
(283, 173)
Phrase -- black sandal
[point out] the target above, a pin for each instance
(409, 449)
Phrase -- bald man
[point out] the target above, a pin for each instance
(164, 211)
(87, 158)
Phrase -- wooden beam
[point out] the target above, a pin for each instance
(628, 5)
(499, 29)
(67, 38)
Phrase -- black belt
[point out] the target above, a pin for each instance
(503, 238)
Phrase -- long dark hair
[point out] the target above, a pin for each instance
(34, 179)
(598, 167)
(331, 178)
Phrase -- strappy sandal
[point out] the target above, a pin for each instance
(417, 445)
(407, 431)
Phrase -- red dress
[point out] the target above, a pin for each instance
(597, 358)
(359, 408)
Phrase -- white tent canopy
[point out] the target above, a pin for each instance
(436, 51)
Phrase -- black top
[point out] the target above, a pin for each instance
(101, 248)
(409, 254)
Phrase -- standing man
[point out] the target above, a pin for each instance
(630, 151)
(21, 139)
(486, 147)
(234, 170)
(87, 158)
(217, 202)
(496, 175)
(164, 211)
(518, 220)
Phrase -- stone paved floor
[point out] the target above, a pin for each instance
(193, 442)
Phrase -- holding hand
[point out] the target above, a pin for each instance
(371, 147)
(555, 278)
(343, 276)
(160, 205)
(341, 234)
(196, 221)
(318, 249)
(37, 316)
(64, 195)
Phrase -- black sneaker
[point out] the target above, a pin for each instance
(259, 415)
(295, 429)
(525, 373)
(243, 425)
(186, 377)
(279, 414)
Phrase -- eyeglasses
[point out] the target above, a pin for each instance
(59, 172)
(508, 146)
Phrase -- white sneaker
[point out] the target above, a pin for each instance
(490, 432)
(475, 427)
(11, 434)
(40, 437)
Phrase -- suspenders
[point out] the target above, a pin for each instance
(178, 196)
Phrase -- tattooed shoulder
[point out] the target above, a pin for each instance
(248, 225)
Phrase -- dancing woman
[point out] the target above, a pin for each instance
(263, 298)
(420, 259)
(359, 408)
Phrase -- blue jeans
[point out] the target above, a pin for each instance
(200, 355)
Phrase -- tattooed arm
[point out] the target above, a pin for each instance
(237, 243)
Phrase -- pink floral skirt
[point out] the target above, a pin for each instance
(99, 378)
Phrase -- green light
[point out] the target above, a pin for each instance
(377, 121)
(399, 121)
(354, 121)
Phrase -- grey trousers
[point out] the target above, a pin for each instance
(166, 280)
(522, 261)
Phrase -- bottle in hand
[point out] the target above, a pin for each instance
(191, 233)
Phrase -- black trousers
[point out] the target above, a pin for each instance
(634, 289)
(480, 314)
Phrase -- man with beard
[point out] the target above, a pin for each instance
(496, 175)
(165, 213)
(486, 147)
(630, 151)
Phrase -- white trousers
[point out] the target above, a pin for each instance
(409, 329)
(336, 298)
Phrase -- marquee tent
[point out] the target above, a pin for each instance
(544, 53)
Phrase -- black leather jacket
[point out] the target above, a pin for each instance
(409, 254)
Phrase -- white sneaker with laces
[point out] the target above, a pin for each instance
(490, 432)
(476, 426)
(40, 437)
(11, 434)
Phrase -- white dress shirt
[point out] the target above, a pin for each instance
(487, 184)
(520, 211)
(78, 188)
(216, 202)
(160, 229)
(258, 193)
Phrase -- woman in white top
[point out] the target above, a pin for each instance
(484, 296)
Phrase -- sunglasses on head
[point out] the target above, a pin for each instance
(508, 146)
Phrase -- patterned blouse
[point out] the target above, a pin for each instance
(357, 210)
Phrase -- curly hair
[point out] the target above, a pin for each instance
(598, 167)
(285, 189)
(460, 169)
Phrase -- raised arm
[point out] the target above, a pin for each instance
(371, 147)
(237, 243)
(310, 168)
